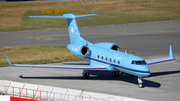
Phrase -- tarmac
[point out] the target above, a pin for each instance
(149, 40)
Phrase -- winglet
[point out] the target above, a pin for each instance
(170, 52)
(7, 59)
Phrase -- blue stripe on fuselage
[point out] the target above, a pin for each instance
(140, 71)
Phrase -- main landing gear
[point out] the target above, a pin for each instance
(115, 74)
(140, 82)
(85, 74)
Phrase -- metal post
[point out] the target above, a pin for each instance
(40, 95)
(54, 96)
(36, 90)
(51, 92)
(65, 94)
(26, 93)
(33, 94)
(13, 91)
(8, 87)
(19, 92)
(61, 95)
(47, 95)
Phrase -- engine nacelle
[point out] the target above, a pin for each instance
(109, 45)
(78, 49)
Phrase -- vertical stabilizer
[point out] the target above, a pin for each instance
(74, 33)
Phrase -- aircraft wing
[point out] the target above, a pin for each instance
(102, 68)
(160, 60)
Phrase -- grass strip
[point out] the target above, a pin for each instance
(36, 55)
(14, 16)
(99, 20)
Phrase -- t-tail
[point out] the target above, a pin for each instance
(74, 33)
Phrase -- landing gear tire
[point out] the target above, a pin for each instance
(115, 74)
(86, 74)
(140, 85)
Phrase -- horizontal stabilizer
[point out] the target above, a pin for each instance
(65, 16)
(82, 16)
(50, 17)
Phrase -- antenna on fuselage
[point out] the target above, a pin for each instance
(125, 52)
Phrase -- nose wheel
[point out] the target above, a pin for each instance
(140, 85)
(140, 82)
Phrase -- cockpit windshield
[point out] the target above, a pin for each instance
(138, 62)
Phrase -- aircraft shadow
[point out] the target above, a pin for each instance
(129, 79)
(107, 76)
(102, 76)
(163, 73)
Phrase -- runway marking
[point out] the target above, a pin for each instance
(137, 29)
(47, 37)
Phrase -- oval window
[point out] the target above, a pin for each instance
(98, 56)
(101, 57)
(106, 59)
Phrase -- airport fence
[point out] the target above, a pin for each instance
(42, 95)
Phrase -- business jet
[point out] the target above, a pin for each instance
(104, 56)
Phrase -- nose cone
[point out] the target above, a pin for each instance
(141, 70)
(147, 71)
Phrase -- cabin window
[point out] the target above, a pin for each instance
(102, 57)
(98, 56)
(106, 59)
(144, 62)
(133, 62)
(118, 62)
(114, 61)
(138, 62)
(109, 60)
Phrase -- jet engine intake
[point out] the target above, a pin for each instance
(78, 49)
(85, 50)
